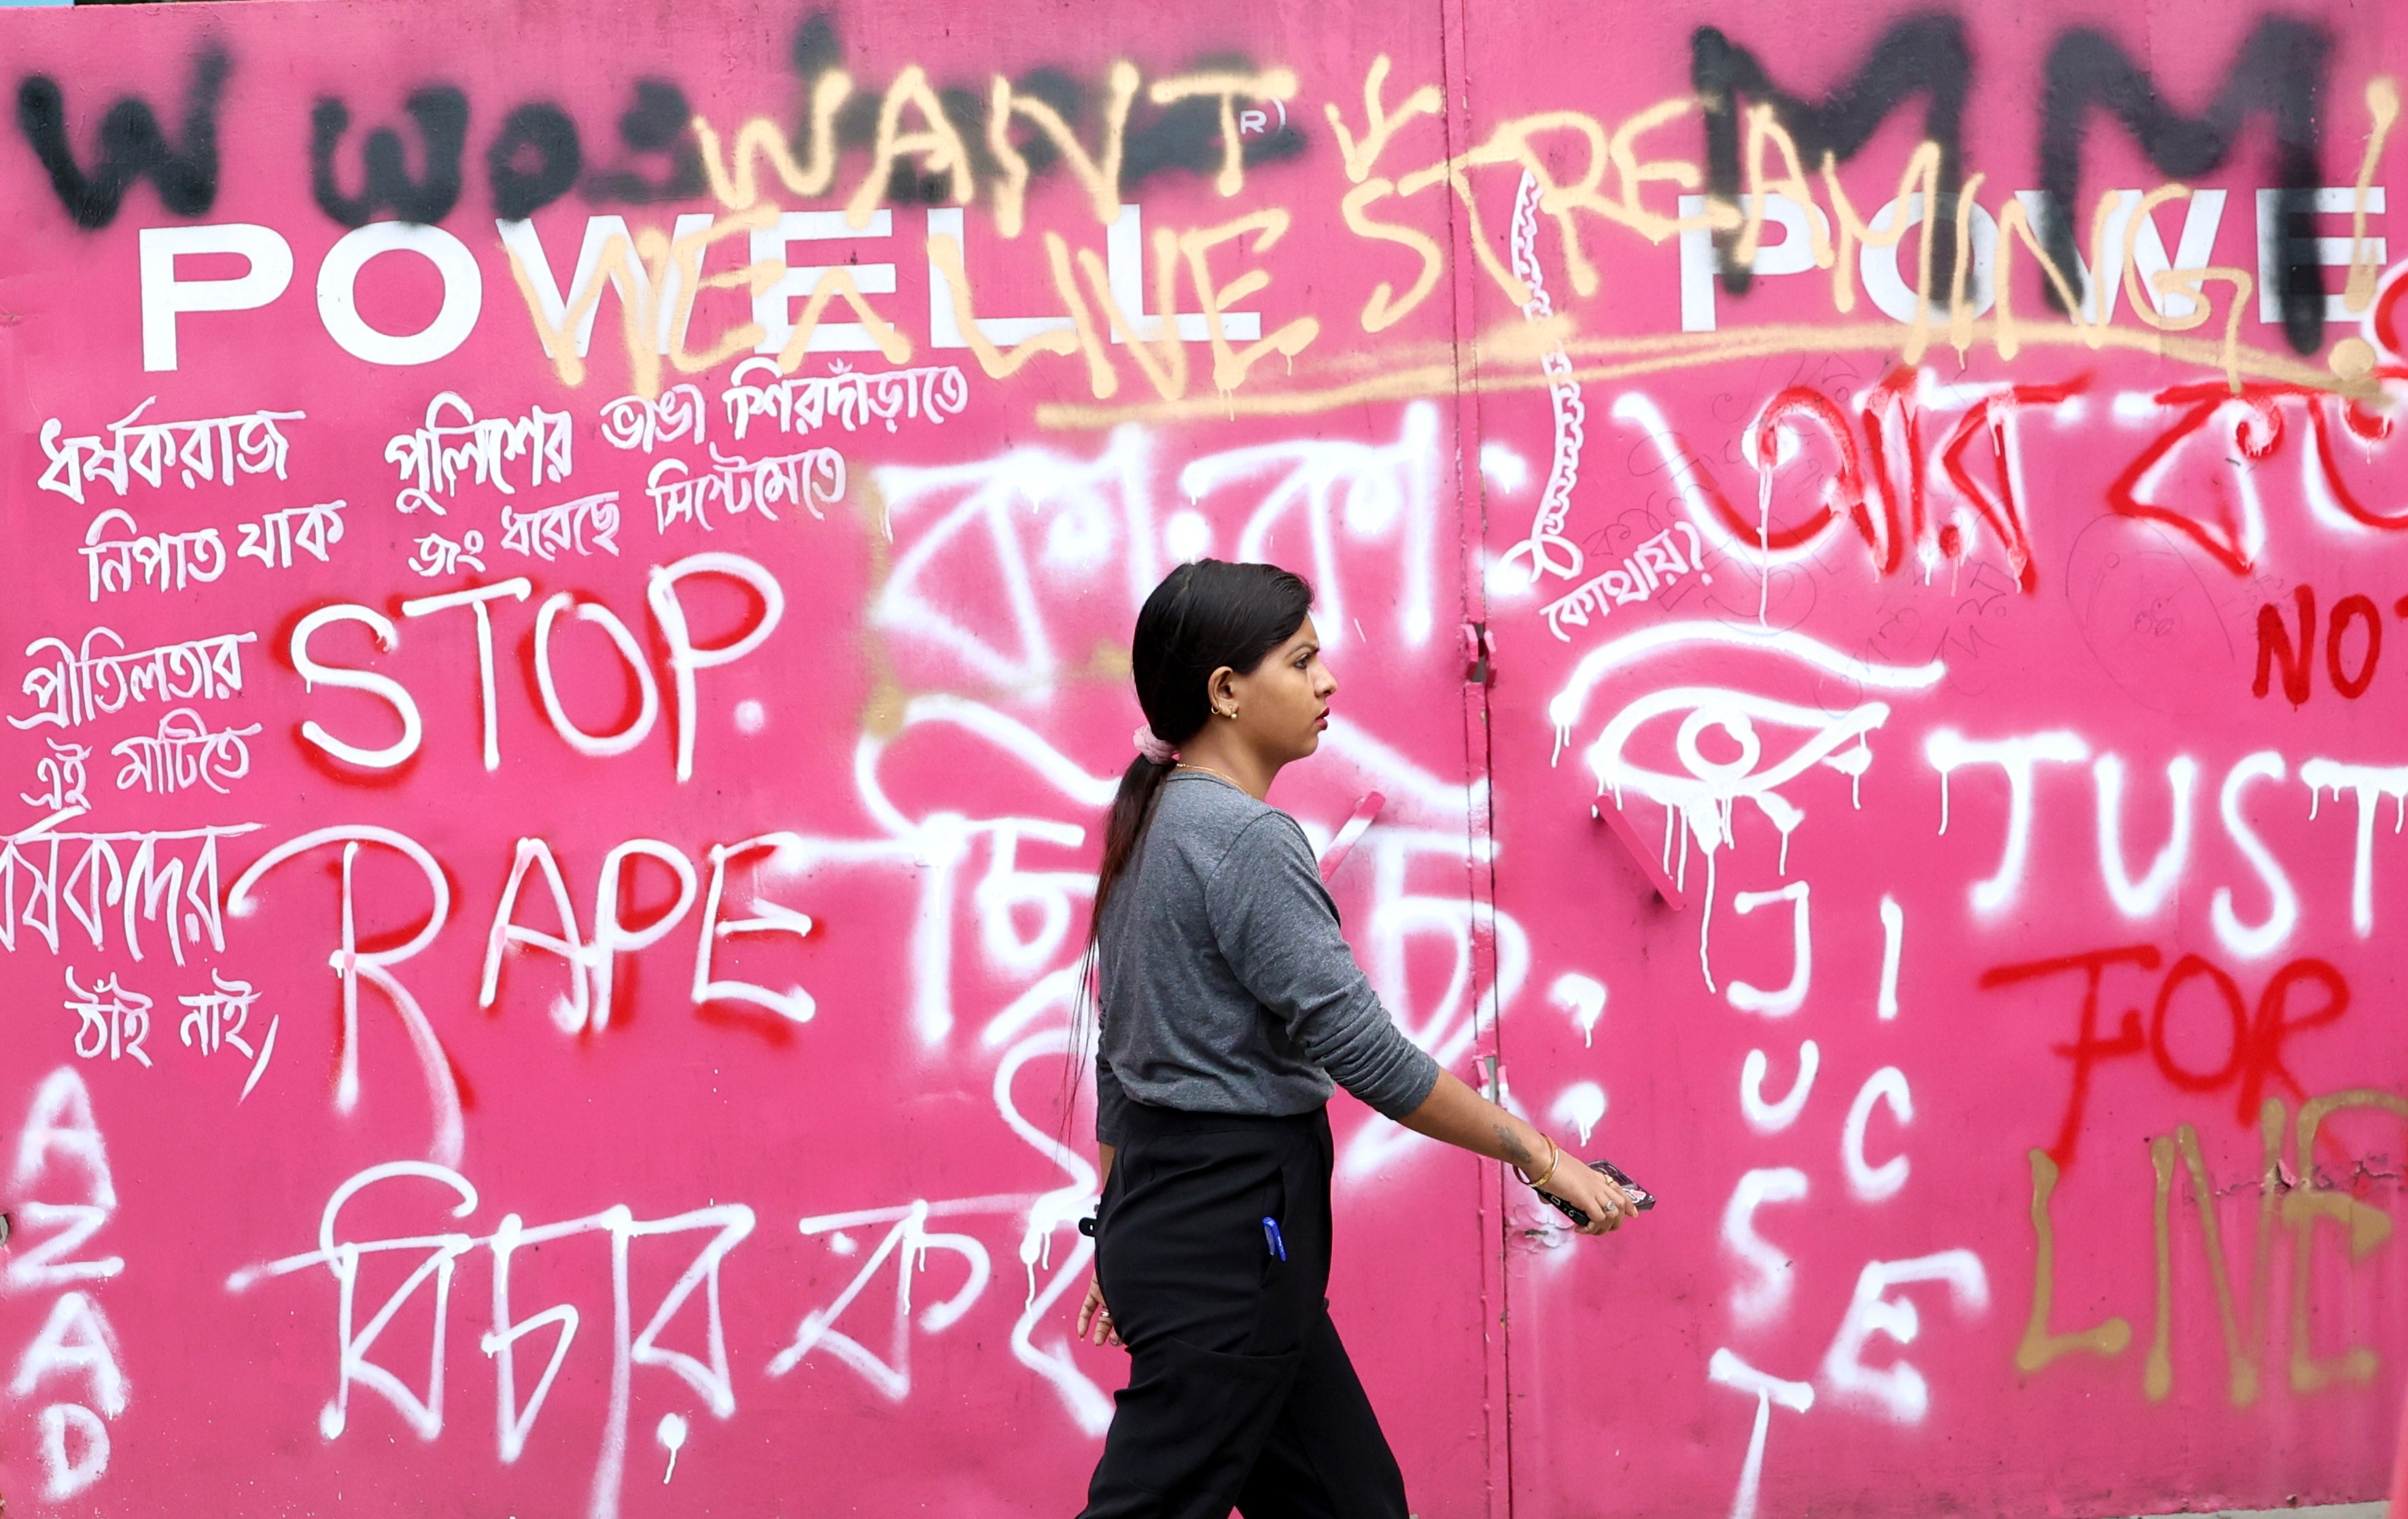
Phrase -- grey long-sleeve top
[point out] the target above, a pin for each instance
(1225, 984)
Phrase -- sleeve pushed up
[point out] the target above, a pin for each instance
(1278, 930)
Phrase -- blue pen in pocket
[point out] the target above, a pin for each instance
(1271, 1240)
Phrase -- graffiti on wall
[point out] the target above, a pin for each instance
(572, 643)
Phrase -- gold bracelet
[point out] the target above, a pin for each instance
(1553, 1157)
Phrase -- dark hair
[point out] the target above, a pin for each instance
(1202, 616)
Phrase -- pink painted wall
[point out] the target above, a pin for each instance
(1865, 818)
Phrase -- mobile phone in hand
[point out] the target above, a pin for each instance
(1641, 1198)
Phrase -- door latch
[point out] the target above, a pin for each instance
(1478, 655)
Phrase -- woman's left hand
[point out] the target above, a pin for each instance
(1096, 1323)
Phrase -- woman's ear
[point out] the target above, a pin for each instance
(1221, 692)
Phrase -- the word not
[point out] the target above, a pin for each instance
(2353, 645)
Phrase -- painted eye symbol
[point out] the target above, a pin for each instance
(1717, 743)
(1715, 752)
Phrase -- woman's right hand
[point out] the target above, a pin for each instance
(1096, 1321)
(1593, 1193)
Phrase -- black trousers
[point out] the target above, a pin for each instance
(1239, 1392)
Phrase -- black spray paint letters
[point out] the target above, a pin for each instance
(441, 113)
(2281, 70)
(659, 126)
(1922, 55)
(132, 147)
(534, 160)
(536, 156)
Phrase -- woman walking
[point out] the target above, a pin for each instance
(1230, 1003)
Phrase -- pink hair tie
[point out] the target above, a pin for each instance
(1153, 747)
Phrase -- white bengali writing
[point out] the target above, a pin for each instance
(699, 1239)
(163, 561)
(437, 555)
(808, 479)
(272, 539)
(184, 753)
(168, 877)
(113, 1021)
(1114, 514)
(560, 529)
(110, 1019)
(453, 443)
(850, 398)
(64, 775)
(215, 1019)
(636, 422)
(210, 448)
(220, 1018)
(74, 685)
(1652, 565)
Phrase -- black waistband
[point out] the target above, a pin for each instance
(1143, 1120)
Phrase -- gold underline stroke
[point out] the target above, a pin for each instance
(1687, 351)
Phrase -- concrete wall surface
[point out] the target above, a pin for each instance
(576, 564)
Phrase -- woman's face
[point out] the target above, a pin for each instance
(1283, 703)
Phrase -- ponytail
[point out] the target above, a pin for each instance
(1125, 827)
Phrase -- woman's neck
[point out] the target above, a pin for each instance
(1220, 751)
